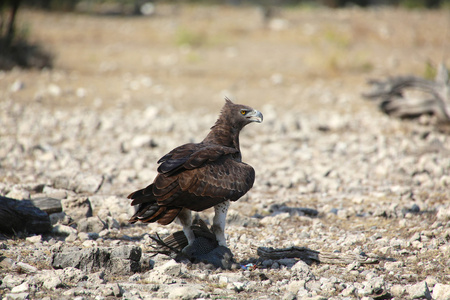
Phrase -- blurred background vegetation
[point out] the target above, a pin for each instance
(69, 5)
(16, 48)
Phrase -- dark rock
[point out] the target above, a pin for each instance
(47, 204)
(119, 260)
(22, 215)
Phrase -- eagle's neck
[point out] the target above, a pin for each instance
(223, 134)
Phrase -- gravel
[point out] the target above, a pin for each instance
(349, 189)
(342, 179)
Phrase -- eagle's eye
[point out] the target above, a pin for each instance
(243, 112)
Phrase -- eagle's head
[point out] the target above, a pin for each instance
(240, 115)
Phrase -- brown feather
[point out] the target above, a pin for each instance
(169, 216)
(156, 216)
(199, 176)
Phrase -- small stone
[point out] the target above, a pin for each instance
(71, 238)
(397, 290)
(52, 283)
(34, 239)
(289, 296)
(223, 280)
(419, 291)
(186, 292)
(51, 192)
(10, 281)
(25, 268)
(385, 250)
(91, 224)
(77, 207)
(135, 277)
(83, 236)
(301, 267)
(80, 92)
(63, 230)
(295, 285)
(353, 266)
(88, 243)
(22, 288)
(441, 291)
(390, 266)
(19, 194)
(443, 214)
(415, 237)
(238, 286)
(414, 208)
(17, 86)
(18, 296)
(348, 291)
(54, 90)
(171, 268)
(96, 278)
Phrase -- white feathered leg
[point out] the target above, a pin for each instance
(219, 222)
(185, 219)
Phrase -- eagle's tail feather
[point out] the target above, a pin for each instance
(170, 214)
(149, 210)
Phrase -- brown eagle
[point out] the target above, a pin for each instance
(197, 176)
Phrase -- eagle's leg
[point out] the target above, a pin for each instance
(218, 226)
(185, 219)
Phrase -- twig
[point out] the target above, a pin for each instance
(307, 254)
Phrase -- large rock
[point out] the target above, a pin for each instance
(119, 260)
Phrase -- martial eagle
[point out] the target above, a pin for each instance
(197, 176)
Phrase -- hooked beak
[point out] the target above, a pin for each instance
(255, 116)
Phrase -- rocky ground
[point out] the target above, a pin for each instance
(90, 132)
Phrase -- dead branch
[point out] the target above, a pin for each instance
(393, 98)
(306, 254)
